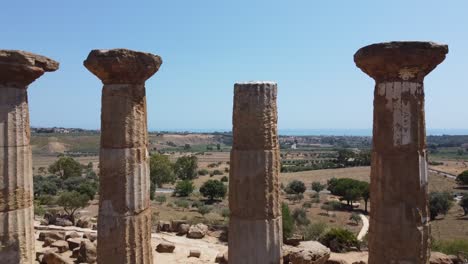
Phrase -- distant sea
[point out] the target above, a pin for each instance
(326, 132)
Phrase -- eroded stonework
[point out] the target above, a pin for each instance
(255, 229)
(17, 70)
(399, 216)
(124, 226)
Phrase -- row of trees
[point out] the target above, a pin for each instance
(211, 189)
(350, 190)
(68, 184)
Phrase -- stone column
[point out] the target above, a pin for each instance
(18, 69)
(399, 216)
(255, 230)
(124, 222)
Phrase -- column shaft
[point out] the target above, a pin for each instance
(399, 211)
(255, 226)
(16, 190)
(124, 227)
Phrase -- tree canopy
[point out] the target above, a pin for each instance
(462, 178)
(66, 167)
(161, 172)
(71, 202)
(295, 187)
(213, 189)
(439, 203)
(186, 167)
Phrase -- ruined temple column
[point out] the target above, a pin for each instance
(255, 230)
(124, 221)
(399, 216)
(18, 69)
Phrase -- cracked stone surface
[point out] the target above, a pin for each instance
(399, 216)
(124, 226)
(255, 229)
(18, 69)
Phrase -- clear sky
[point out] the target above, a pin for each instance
(207, 45)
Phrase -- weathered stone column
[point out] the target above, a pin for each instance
(18, 69)
(399, 216)
(255, 230)
(124, 222)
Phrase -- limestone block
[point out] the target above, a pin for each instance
(17, 236)
(254, 185)
(16, 185)
(123, 116)
(14, 117)
(124, 181)
(125, 239)
(255, 116)
(255, 241)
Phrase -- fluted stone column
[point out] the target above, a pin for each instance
(255, 230)
(18, 69)
(124, 222)
(399, 216)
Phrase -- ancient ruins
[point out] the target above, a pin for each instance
(255, 229)
(399, 218)
(124, 227)
(18, 69)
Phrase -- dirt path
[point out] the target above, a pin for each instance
(365, 227)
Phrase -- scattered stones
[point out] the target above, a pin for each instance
(175, 224)
(61, 245)
(84, 223)
(183, 229)
(87, 252)
(439, 258)
(53, 258)
(72, 234)
(308, 252)
(164, 226)
(74, 243)
(48, 241)
(194, 253)
(197, 231)
(63, 222)
(90, 236)
(222, 258)
(293, 241)
(55, 235)
(165, 247)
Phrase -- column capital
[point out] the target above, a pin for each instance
(400, 60)
(122, 66)
(20, 68)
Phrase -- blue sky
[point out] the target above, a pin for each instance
(207, 45)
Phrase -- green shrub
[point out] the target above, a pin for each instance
(339, 240)
(314, 231)
(355, 217)
(450, 247)
(182, 203)
(464, 204)
(161, 199)
(217, 172)
(46, 199)
(203, 172)
(184, 188)
(439, 203)
(224, 179)
(197, 204)
(307, 205)
(462, 178)
(295, 187)
(288, 221)
(225, 213)
(203, 210)
(300, 217)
